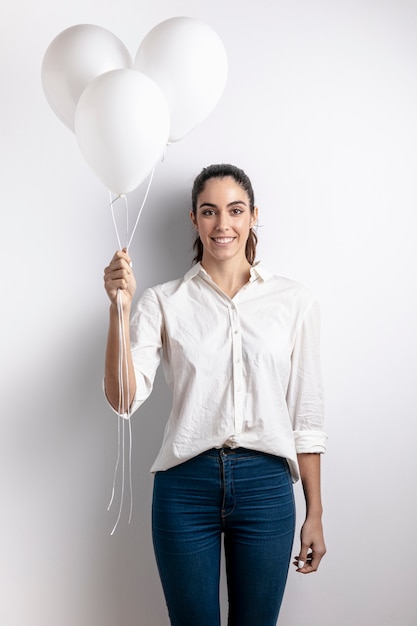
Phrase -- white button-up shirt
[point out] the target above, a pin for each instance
(244, 371)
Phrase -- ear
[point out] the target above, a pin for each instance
(194, 221)
(254, 216)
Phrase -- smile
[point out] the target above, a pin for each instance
(223, 240)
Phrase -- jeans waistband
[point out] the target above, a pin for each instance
(226, 450)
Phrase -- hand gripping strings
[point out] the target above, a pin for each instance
(123, 375)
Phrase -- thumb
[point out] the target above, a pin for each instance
(302, 557)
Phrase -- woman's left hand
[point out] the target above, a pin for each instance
(313, 547)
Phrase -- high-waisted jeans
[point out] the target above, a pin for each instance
(248, 497)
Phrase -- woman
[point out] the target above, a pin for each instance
(240, 352)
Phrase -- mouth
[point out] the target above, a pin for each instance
(222, 241)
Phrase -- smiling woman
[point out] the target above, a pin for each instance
(238, 182)
(224, 214)
(240, 352)
(223, 219)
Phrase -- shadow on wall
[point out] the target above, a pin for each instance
(62, 449)
(162, 246)
(161, 250)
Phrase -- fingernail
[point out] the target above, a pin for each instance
(300, 564)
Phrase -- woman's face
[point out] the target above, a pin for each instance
(223, 219)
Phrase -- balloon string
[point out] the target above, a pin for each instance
(114, 221)
(124, 395)
(141, 208)
(123, 370)
(112, 202)
(117, 464)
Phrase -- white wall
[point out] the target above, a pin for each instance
(320, 109)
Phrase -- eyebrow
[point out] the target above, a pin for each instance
(214, 206)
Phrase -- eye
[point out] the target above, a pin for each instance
(237, 211)
(207, 212)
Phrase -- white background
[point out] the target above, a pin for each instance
(320, 109)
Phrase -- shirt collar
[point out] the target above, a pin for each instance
(194, 271)
(259, 271)
(256, 271)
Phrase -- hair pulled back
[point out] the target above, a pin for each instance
(223, 170)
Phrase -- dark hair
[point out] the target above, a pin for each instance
(222, 170)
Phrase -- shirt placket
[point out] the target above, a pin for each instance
(237, 368)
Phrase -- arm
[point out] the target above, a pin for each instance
(306, 405)
(119, 282)
(312, 540)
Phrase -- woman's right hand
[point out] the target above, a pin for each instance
(118, 275)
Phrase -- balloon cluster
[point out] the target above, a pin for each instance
(124, 112)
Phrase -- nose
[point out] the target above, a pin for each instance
(222, 222)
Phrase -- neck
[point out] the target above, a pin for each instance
(229, 276)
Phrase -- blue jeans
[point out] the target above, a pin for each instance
(248, 497)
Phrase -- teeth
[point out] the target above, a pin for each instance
(223, 239)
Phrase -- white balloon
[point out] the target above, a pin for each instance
(187, 59)
(73, 59)
(122, 127)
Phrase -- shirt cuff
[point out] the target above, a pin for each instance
(308, 441)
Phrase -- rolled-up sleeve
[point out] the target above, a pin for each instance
(146, 328)
(305, 397)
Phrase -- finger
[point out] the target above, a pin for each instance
(300, 562)
(311, 564)
(119, 264)
(303, 556)
(118, 267)
(117, 283)
(126, 257)
(316, 559)
(118, 272)
(303, 560)
(120, 255)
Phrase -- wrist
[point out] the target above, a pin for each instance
(314, 512)
(114, 309)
